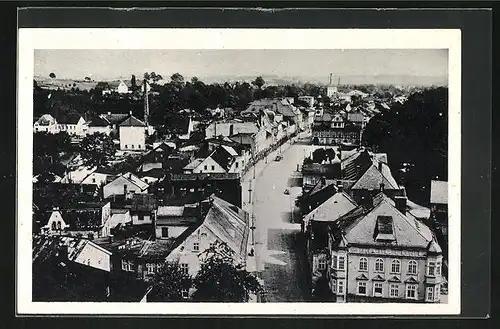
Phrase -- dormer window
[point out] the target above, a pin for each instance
(384, 230)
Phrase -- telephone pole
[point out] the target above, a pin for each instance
(250, 192)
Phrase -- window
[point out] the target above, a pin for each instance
(184, 268)
(322, 264)
(236, 164)
(108, 291)
(396, 266)
(431, 269)
(437, 292)
(213, 167)
(377, 289)
(429, 296)
(334, 262)
(411, 291)
(341, 265)
(438, 268)
(150, 268)
(205, 167)
(126, 266)
(164, 232)
(412, 267)
(184, 293)
(196, 246)
(340, 287)
(379, 265)
(93, 179)
(361, 288)
(59, 225)
(126, 146)
(138, 146)
(363, 264)
(394, 290)
(334, 286)
(53, 226)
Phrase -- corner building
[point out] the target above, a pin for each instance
(382, 253)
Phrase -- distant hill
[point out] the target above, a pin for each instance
(402, 80)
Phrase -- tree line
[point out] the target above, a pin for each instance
(415, 137)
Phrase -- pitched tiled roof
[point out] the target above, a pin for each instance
(230, 224)
(46, 247)
(132, 121)
(374, 176)
(115, 118)
(99, 122)
(46, 120)
(223, 158)
(360, 224)
(194, 164)
(332, 209)
(439, 192)
(155, 172)
(83, 219)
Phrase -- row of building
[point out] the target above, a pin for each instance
(120, 267)
(365, 240)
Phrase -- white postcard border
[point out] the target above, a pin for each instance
(31, 39)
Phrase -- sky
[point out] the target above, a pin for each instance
(110, 64)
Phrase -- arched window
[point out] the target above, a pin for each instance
(363, 264)
(395, 266)
(412, 267)
(379, 265)
(59, 225)
(53, 226)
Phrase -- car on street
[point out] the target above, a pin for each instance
(278, 158)
(287, 191)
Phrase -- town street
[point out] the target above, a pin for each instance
(278, 244)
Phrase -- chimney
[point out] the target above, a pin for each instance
(340, 188)
(146, 102)
(401, 204)
(111, 238)
(130, 113)
(109, 113)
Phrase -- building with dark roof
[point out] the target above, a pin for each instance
(380, 251)
(73, 124)
(99, 124)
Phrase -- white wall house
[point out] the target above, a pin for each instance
(126, 184)
(73, 124)
(94, 256)
(99, 125)
(46, 123)
(132, 135)
(122, 88)
(55, 223)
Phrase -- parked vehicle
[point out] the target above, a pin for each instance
(278, 158)
(287, 192)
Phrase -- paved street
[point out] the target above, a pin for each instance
(278, 246)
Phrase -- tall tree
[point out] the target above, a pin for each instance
(259, 82)
(169, 282)
(221, 280)
(133, 82)
(97, 149)
(177, 80)
(319, 155)
(52, 75)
